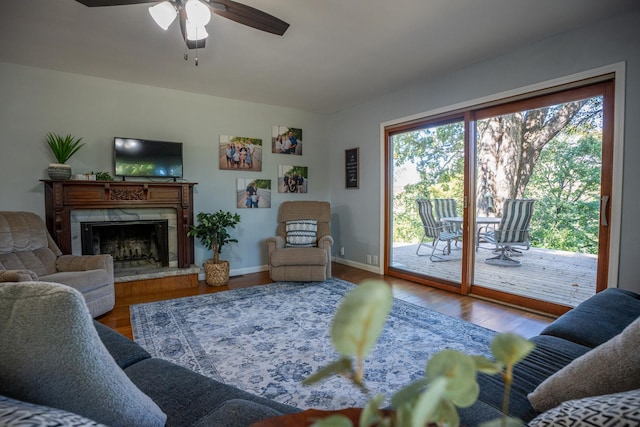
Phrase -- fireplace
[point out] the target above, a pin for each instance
(67, 203)
(132, 244)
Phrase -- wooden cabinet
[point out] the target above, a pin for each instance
(61, 197)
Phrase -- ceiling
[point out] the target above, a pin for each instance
(336, 53)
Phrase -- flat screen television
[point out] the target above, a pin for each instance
(135, 157)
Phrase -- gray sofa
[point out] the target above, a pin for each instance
(579, 336)
(58, 364)
(27, 252)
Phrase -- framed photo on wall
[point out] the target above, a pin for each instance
(237, 152)
(352, 167)
(293, 179)
(286, 140)
(253, 193)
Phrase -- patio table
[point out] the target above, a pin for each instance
(481, 222)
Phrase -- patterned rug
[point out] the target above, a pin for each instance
(267, 339)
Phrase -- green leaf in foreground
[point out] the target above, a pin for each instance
(342, 366)
(361, 318)
(500, 422)
(509, 348)
(333, 421)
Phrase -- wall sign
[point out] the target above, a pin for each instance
(352, 168)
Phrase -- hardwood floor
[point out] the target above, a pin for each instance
(488, 314)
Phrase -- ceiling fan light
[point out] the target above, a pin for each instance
(196, 32)
(163, 13)
(197, 12)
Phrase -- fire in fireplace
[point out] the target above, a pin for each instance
(132, 244)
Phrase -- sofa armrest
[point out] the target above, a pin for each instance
(325, 242)
(17, 276)
(85, 262)
(276, 242)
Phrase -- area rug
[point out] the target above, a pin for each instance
(267, 339)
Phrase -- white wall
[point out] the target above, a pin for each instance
(588, 48)
(37, 101)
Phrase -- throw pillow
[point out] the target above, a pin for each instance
(619, 409)
(51, 354)
(18, 413)
(612, 367)
(301, 233)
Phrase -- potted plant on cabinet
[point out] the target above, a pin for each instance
(62, 148)
(213, 234)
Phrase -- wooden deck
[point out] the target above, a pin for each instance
(549, 275)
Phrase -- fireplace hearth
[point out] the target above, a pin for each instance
(136, 244)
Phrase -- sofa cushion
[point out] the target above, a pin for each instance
(18, 413)
(591, 323)
(41, 261)
(22, 232)
(186, 396)
(550, 355)
(124, 351)
(237, 413)
(301, 233)
(619, 409)
(51, 354)
(609, 368)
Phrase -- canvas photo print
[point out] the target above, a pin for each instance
(286, 140)
(293, 179)
(240, 153)
(253, 193)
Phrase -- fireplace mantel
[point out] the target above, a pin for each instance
(61, 197)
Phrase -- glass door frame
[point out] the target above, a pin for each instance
(604, 86)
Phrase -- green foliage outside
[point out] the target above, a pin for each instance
(564, 180)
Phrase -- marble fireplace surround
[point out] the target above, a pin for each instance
(110, 215)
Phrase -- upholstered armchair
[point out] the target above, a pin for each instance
(28, 253)
(301, 249)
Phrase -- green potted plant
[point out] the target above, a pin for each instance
(212, 232)
(62, 149)
(450, 376)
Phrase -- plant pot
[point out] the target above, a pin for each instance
(216, 274)
(59, 171)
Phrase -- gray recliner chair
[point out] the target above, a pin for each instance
(28, 253)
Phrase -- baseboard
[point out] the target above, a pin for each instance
(239, 271)
(259, 268)
(371, 268)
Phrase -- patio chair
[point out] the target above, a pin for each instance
(435, 230)
(446, 208)
(512, 232)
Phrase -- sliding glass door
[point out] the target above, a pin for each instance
(509, 201)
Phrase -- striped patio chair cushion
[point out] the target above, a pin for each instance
(445, 208)
(429, 223)
(514, 227)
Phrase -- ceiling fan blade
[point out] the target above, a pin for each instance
(191, 44)
(249, 16)
(98, 3)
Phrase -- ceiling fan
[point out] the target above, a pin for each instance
(194, 15)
